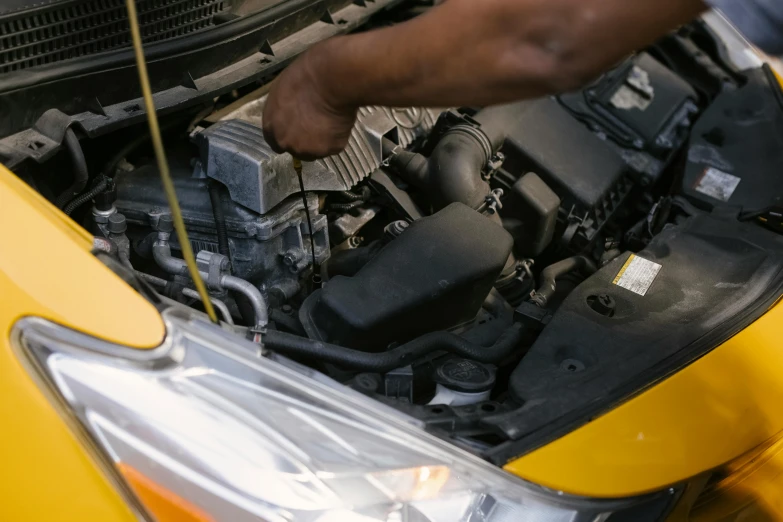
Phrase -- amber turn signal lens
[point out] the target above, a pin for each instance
(161, 503)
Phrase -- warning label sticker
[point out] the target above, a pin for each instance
(717, 184)
(637, 275)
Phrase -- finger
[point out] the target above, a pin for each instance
(269, 136)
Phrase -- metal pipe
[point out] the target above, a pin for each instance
(161, 252)
(252, 293)
(151, 279)
(220, 305)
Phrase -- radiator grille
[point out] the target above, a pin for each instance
(91, 27)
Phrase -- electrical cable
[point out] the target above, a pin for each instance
(163, 166)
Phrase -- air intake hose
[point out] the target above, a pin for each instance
(453, 171)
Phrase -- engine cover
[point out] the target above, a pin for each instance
(435, 275)
(269, 250)
(235, 153)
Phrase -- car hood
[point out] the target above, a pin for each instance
(70, 62)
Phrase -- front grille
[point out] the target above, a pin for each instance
(90, 27)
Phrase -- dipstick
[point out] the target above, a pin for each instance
(163, 165)
(298, 169)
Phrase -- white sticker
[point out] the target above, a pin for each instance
(717, 184)
(637, 275)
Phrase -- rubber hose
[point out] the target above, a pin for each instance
(551, 273)
(288, 322)
(220, 219)
(110, 169)
(499, 120)
(87, 196)
(80, 173)
(452, 173)
(397, 357)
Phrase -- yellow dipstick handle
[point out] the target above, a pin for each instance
(163, 165)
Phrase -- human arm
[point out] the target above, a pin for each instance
(462, 52)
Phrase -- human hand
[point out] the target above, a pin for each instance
(301, 118)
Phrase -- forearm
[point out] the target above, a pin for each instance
(469, 52)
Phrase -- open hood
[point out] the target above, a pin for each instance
(70, 61)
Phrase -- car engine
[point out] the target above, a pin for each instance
(488, 271)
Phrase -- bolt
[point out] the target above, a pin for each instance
(290, 258)
(287, 309)
(395, 228)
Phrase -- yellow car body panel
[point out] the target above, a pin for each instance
(47, 258)
(702, 418)
(750, 489)
(47, 270)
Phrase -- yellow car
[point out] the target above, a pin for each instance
(562, 309)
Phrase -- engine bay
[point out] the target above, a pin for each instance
(501, 274)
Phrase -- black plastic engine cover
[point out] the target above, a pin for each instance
(735, 157)
(435, 275)
(642, 109)
(714, 275)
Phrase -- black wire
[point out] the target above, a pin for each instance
(750, 215)
(220, 219)
(77, 202)
(316, 274)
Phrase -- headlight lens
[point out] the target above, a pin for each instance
(203, 426)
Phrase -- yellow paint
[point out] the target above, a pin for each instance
(46, 257)
(704, 416)
(751, 490)
(47, 270)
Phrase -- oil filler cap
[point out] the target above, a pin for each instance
(464, 375)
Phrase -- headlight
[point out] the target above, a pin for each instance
(203, 427)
